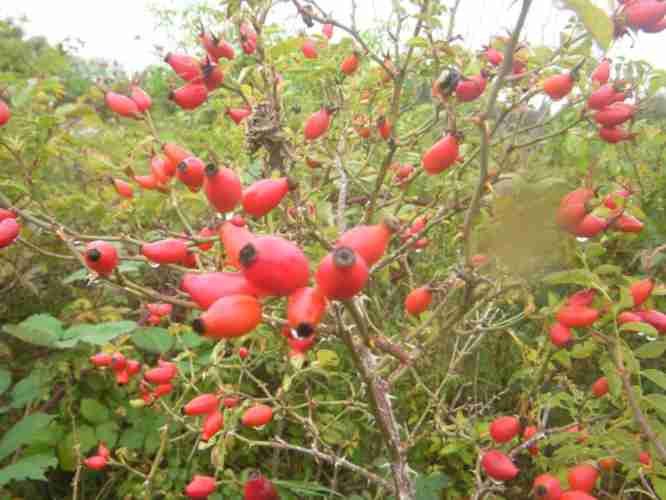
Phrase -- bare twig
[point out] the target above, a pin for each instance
(147, 484)
(381, 406)
(342, 196)
(318, 455)
(452, 19)
(640, 417)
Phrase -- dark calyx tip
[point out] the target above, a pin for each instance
(182, 166)
(198, 326)
(166, 57)
(211, 169)
(540, 491)
(247, 255)
(523, 422)
(304, 330)
(94, 254)
(392, 223)
(344, 257)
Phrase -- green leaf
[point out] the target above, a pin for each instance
(582, 350)
(65, 452)
(49, 437)
(81, 274)
(191, 340)
(23, 432)
(87, 438)
(595, 250)
(107, 432)
(39, 329)
(132, 438)
(630, 361)
(658, 401)
(640, 327)
(614, 380)
(659, 484)
(563, 358)
(28, 468)
(99, 334)
(658, 377)
(626, 300)
(5, 380)
(579, 277)
(154, 340)
(608, 269)
(94, 412)
(651, 350)
(327, 359)
(595, 19)
(417, 42)
(430, 487)
(28, 389)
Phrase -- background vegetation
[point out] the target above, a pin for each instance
(481, 351)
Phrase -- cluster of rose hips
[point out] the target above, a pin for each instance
(578, 313)
(100, 459)
(417, 227)
(269, 265)
(157, 382)
(204, 76)
(257, 487)
(156, 312)
(576, 213)
(133, 106)
(581, 478)
(607, 99)
(648, 16)
(122, 367)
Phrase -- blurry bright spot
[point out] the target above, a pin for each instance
(125, 30)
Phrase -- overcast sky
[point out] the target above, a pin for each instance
(123, 30)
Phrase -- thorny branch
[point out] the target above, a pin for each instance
(381, 404)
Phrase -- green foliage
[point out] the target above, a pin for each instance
(430, 487)
(39, 329)
(651, 350)
(47, 331)
(153, 340)
(595, 20)
(23, 432)
(29, 389)
(5, 380)
(32, 467)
